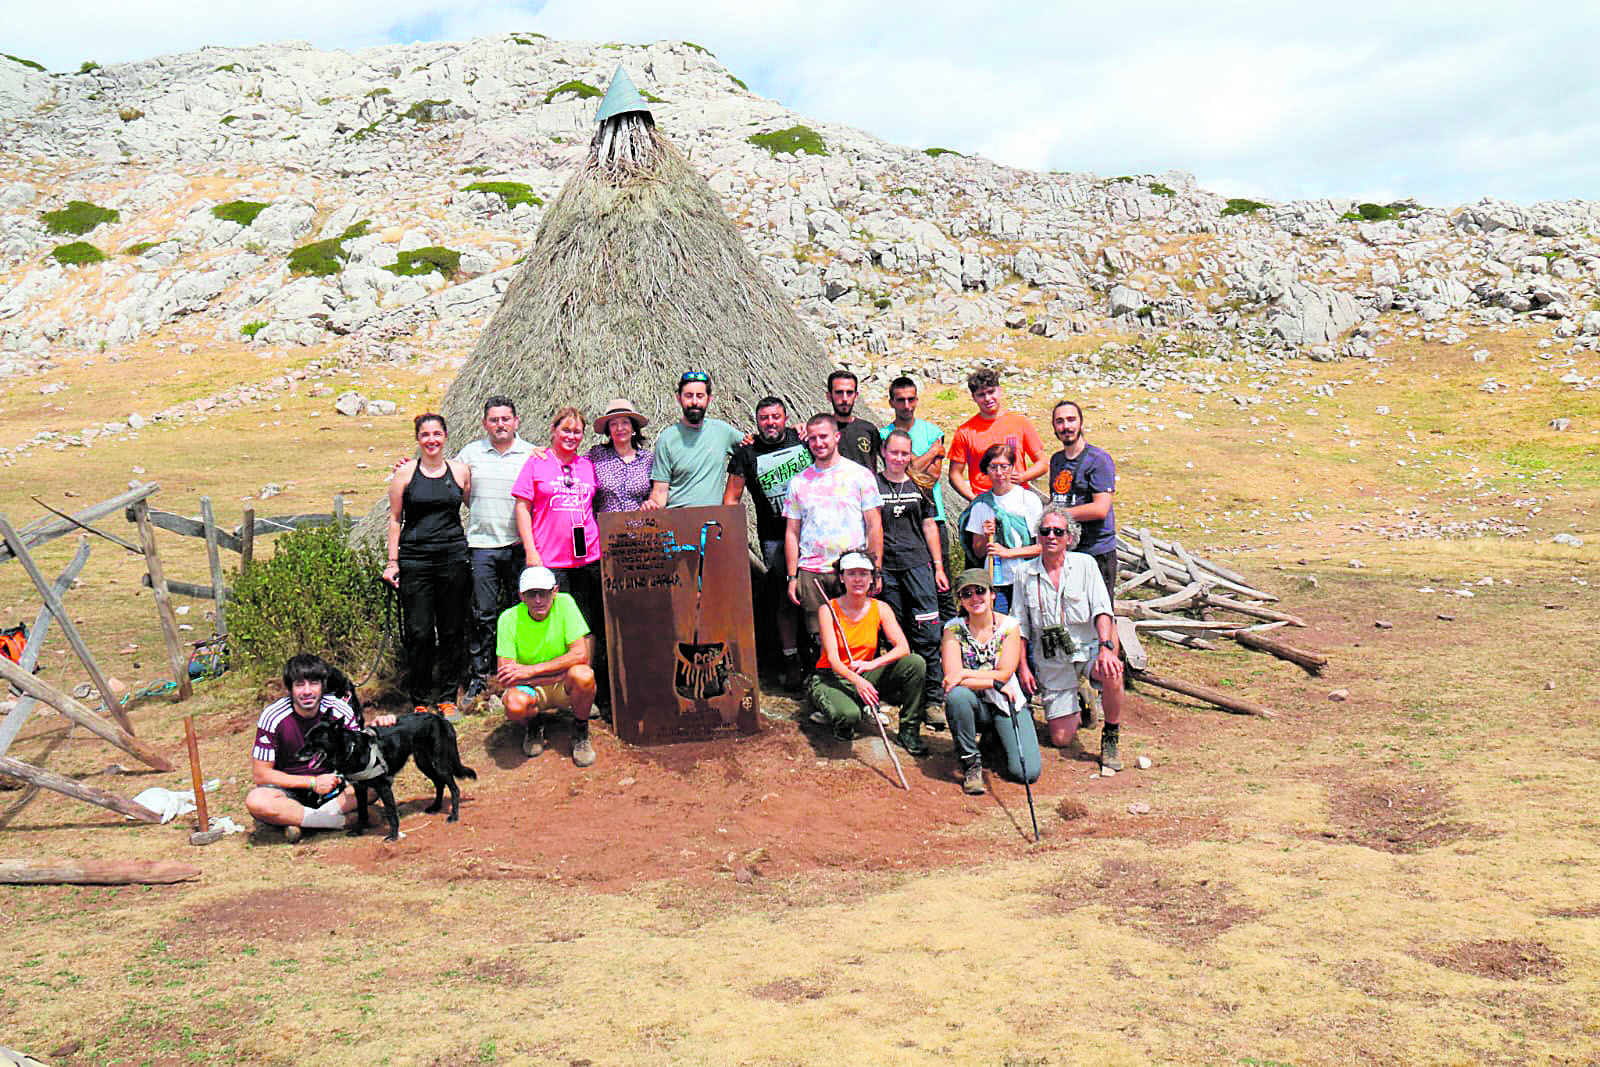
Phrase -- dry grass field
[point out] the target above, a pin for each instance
(1409, 875)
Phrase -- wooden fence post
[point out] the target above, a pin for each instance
(220, 594)
(158, 585)
(247, 540)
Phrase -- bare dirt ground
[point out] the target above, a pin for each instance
(1406, 875)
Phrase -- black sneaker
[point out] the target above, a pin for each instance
(794, 674)
(912, 742)
(844, 733)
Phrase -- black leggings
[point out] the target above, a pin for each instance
(434, 592)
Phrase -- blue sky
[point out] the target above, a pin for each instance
(1445, 102)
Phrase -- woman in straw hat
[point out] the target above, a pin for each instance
(621, 462)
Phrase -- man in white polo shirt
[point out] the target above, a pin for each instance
(496, 550)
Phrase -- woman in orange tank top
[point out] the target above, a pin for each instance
(852, 675)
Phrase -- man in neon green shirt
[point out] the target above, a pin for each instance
(543, 648)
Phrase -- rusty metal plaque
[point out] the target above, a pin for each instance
(678, 625)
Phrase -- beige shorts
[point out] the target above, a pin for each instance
(551, 695)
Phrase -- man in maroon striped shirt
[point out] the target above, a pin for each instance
(291, 786)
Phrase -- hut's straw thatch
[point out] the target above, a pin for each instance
(637, 275)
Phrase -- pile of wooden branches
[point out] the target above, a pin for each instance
(1197, 603)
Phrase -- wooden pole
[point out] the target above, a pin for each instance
(95, 872)
(1200, 692)
(69, 787)
(19, 713)
(247, 540)
(194, 773)
(1253, 610)
(209, 521)
(158, 584)
(68, 628)
(1313, 662)
(338, 509)
(64, 703)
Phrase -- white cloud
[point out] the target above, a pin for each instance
(1444, 101)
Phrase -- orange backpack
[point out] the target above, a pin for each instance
(13, 641)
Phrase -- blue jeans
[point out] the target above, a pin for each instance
(966, 710)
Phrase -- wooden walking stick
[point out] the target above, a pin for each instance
(203, 834)
(872, 710)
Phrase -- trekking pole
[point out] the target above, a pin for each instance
(872, 710)
(1016, 731)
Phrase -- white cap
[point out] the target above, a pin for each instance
(856, 561)
(536, 578)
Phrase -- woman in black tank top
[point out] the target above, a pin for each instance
(428, 564)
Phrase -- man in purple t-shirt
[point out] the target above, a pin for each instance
(1083, 479)
(291, 785)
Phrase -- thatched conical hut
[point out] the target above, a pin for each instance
(636, 275)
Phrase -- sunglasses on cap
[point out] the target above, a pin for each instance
(695, 376)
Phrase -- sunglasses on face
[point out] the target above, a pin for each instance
(971, 591)
(1052, 531)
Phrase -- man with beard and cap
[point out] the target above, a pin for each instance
(766, 465)
(831, 506)
(494, 548)
(858, 438)
(690, 468)
(1083, 479)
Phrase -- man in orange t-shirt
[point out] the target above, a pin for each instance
(993, 425)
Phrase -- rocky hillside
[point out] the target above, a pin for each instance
(379, 202)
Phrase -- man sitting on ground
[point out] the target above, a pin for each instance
(1061, 605)
(543, 648)
(292, 790)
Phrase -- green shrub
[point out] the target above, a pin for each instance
(139, 249)
(476, 169)
(528, 38)
(228, 120)
(316, 594)
(583, 89)
(426, 110)
(1379, 212)
(231, 68)
(937, 152)
(250, 329)
(513, 193)
(883, 303)
(1162, 190)
(379, 91)
(1240, 206)
(77, 254)
(739, 82)
(243, 212)
(702, 49)
(324, 257)
(89, 67)
(419, 261)
(651, 98)
(908, 189)
(796, 139)
(78, 217)
(19, 59)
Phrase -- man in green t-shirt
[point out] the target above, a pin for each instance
(690, 468)
(543, 648)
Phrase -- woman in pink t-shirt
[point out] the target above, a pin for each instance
(554, 497)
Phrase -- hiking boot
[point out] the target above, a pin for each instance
(449, 712)
(293, 834)
(972, 779)
(912, 742)
(844, 732)
(533, 738)
(934, 712)
(794, 674)
(1109, 735)
(582, 750)
(473, 693)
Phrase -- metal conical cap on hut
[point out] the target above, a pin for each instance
(635, 276)
(621, 98)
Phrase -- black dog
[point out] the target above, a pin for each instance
(339, 685)
(361, 763)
